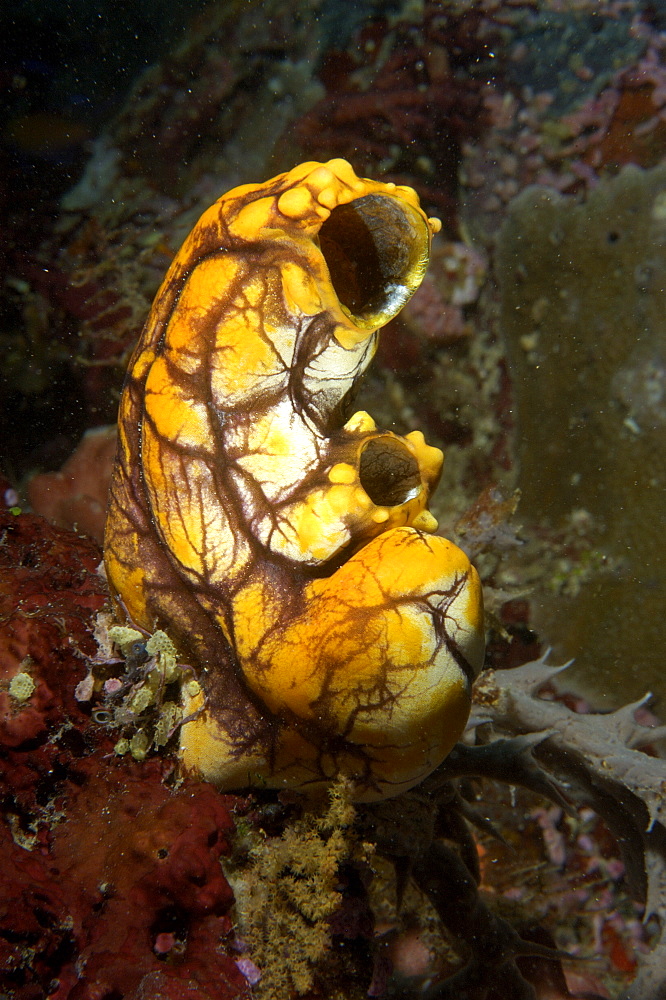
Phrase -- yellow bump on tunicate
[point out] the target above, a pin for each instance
(417, 438)
(344, 172)
(425, 522)
(328, 198)
(21, 686)
(254, 217)
(295, 203)
(361, 499)
(360, 423)
(435, 224)
(342, 473)
(380, 515)
(429, 458)
(321, 178)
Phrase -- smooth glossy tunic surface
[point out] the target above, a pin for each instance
(289, 553)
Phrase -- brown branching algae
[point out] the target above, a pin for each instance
(288, 552)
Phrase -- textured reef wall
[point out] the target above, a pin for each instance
(114, 872)
(584, 315)
(111, 880)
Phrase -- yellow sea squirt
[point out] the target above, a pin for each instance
(289, 554)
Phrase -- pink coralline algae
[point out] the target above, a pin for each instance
(75, 497)
(103, 862)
